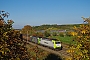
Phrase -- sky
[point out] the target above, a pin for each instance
(39, 12)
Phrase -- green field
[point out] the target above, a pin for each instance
(66, 39)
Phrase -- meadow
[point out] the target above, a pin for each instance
(65, 39)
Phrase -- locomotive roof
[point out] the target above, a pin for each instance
(50, 39)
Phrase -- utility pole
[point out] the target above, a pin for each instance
(27, 36)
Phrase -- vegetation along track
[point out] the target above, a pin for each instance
(61, 53)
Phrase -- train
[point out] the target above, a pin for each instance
(47, 42)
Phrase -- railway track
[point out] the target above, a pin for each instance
(61, 53)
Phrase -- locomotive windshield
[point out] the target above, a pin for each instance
(57, 42)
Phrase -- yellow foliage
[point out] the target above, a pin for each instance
(5, 34)
(75, 27)
(73, 33)
(79, 36)
(83, 32)
(69, 58)
(81, 50)
(70, 51)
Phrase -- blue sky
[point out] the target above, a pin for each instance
(38, 12)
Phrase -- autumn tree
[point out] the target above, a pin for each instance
(68, 33)
(81, 50)
(27, 29)
(11, 46)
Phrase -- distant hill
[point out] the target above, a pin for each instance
(59, 27)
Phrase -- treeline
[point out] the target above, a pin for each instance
(43, 27)
(28, 30)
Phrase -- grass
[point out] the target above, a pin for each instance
(41, 54)
(66, 39)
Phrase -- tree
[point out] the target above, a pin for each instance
(46, 34)
(27, 29)
(81, 50)
(54, 34)
(11, 46)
